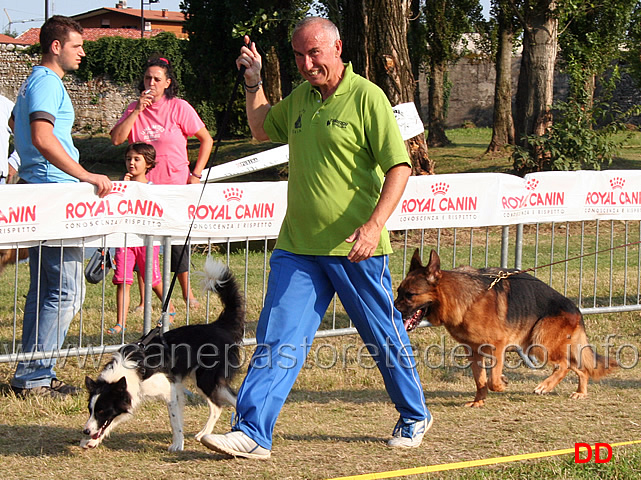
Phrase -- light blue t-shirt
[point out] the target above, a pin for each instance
(43, 96)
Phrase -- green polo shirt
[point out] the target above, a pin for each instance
(338, 151)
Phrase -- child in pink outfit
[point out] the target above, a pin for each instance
(140, 158)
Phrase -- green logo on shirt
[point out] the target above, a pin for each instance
(337, 123)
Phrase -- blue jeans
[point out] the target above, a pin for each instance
(51, 305)
(300, 289)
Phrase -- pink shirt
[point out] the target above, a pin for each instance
(166, 125)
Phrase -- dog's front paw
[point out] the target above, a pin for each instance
(578, 396)
(542, 388)
(499, 385)
(177, 447)
(89, 442)
(475, 404)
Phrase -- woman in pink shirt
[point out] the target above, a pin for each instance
(161, 119)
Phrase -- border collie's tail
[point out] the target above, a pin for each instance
(219, 279)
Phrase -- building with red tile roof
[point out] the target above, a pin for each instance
(118, 22)
(32, 36)
(130, 18)
(8, 40)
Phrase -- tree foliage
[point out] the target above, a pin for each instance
(582, 134)
(124, 59)
(590, 41)
(448, 25)
(572, 142)
(632, 50)
(216, 28)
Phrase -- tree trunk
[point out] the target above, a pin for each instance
(503, 124)
(536, 78)
(590, 87)
(273, 89)
(436, 126)
(417, 64)
(390, 68)
(283, 50)
(355, 32)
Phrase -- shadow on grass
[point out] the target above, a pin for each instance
(54, 441)
(335, 438)
(39, 440)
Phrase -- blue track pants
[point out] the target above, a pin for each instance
(299, 291)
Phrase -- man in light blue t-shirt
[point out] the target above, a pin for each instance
(348, 167)
(42, 120)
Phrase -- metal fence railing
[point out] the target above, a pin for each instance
(595, 263)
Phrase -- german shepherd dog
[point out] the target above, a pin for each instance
(159, 363)
(519, 312)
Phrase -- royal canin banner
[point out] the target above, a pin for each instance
(31, 213)
(219, 212)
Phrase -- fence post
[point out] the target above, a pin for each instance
(518, 247)
(149, 278)
(505, 243)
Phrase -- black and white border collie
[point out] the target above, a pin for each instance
(157, 366)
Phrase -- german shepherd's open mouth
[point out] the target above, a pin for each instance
(412, 321)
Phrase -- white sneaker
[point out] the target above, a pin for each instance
(236, 444)
(409, 433)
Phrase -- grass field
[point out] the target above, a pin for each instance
(338, 416)
(337, 419)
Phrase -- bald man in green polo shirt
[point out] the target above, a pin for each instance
(348, 167)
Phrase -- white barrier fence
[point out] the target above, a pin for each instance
(52, 212)
(73, 215)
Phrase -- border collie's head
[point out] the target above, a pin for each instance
(107, 402)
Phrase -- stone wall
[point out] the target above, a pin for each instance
(98, 103)
(472, 93)
(14, 68)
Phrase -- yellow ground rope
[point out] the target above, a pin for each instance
(469, 464)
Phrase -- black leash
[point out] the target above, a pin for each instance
(149, 336)
(219, 135)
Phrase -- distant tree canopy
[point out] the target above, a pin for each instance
(216, 29)
(633, 43)
(590, 41)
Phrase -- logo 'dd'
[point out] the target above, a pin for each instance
(118, 188)
(617, 182)
(598, 447)
(531, 184)
(440, 188)
(233, 193)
